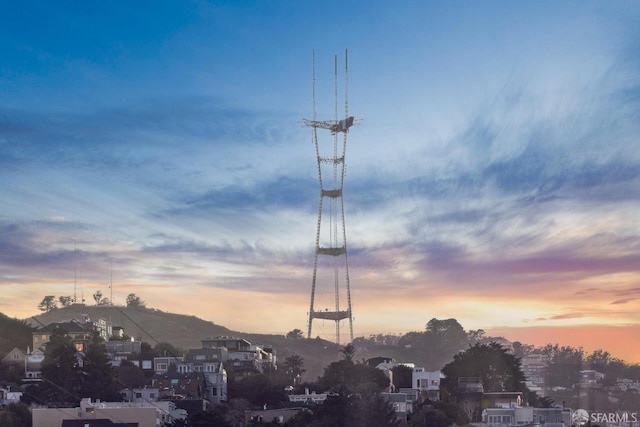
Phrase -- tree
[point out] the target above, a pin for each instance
(293, 367)
(430, 418)
(563, 366)
(99, 299)
(48, 303)
(99, 377)
(258, 389)
(376, 412)
(212, 417)
(134, 301)
(61, 377)
(348, 352)
(130, 375)
(354, 377)
(15, 415)
(402, 376)
(497, 369)
(348, 409)
(14, 333)
(65, 300)
(449, 333)
(439, 342)
(296, 334)
(338, 410)
(163, 349)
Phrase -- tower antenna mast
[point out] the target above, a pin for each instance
(330, 282)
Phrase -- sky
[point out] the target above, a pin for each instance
(493, 175)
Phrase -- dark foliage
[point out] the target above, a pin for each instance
(259, 389)
(353, 376)
(99, 377)
(497, 369)
(349, 410)
(402, 377)
(212, 418)
(14, 333)
(15, 415)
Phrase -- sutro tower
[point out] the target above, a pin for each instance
(330, 293)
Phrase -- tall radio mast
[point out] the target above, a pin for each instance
(330, 283)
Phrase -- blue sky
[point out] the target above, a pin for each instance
(493, 176)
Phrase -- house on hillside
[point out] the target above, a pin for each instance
(427, 382)
(15, 361)
(204, 361)
(527, 415)
(141, 414)
(80, 333)
(10, 393)
(32, 366)
(243, 357)
(119, 350)
(534, 368)
(179, 386)
(589, 379)
(502, 399)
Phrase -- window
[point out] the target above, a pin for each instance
(162, 366)
(138, 395)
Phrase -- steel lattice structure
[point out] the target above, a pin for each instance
(330, 266)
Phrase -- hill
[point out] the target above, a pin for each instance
(183, 331)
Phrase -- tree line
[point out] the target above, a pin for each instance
(50, 302)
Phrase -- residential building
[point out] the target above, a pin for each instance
(308, 397)
(468, 394)
(80, 333)
(518, 415)
(590, 379)
(207, 361)
(145, 394)
(428, 382)
(10, 394)
(122, 350)
(156, 414)
(502, 399)
(33, 362)
(243, 357)
(401, 404)
(534, 367)
(230, 343)
(624, 384)
(180, 386)
(279, 416)
(15, 360)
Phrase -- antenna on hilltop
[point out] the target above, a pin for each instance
(75, 272)
(111, 285)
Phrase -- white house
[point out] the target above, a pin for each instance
(428, 382)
